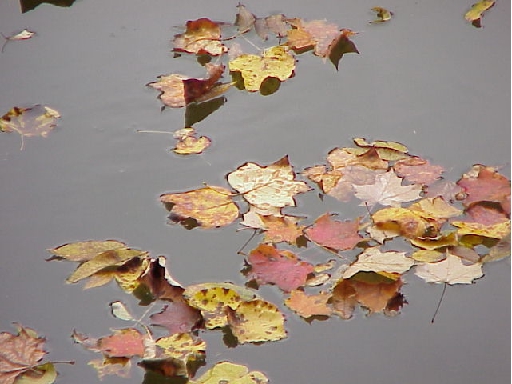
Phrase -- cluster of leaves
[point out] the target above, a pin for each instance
(242, 315)
(450, 229)
(261, 72)
(21, 358)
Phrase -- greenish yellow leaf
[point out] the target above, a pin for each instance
(42, 374)
(474, 15)
(86, 250)
(229, 373)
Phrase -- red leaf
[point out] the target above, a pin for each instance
(334, 234)
(178, 317)
(123, 343)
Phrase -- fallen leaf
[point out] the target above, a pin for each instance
(279, 229)
(256, 321)
(308, 306)
(177, 317)
(188, 143)
(42, 374)
(280, 267)
(387, 150)
(382, 15)
(435, 209)
(23, 35)
(343, 299)
(267, 186)
(374, 260)
(22, 353)
(333, 234)
(451, 271)
(202, 36)
(417, 170)
(387, 190)
(226, 372)
(159, 282)
(275, 62)
(376, 296)
(127, 342)
(85, 250)
(474, 15)
(37, 120)
(119, 366)
(28, 5)
(209, 207)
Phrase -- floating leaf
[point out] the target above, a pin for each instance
(387, 190)
(280, 267)
(21, 355)
(278, 229)
(451, 270)
(160, 283)
(119, 366)
(188, 143)
(276, 62)
(32, 121)
(28, 5)
(417, 170)
(373, 260)
(119, 311)
(177, 317)
(209, 206)
(127, 342)
(267, 186)
(256, 321)
(334, 234)
(23, 35)
(42, 374)
(86, 250)
(309, 305)
(474, 15)
(226, 372)
(201, 37)
(383, 15)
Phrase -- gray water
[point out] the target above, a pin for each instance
(427, 79)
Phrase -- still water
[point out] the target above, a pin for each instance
(427, 79)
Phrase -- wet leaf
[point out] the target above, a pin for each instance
(179, 90)
(382, 15)
(333, 234)
(279, 229)
(177, 317)
(256, 321)
(496, 231)
(435, 208)
(209, 206)
(374, 260)
(28, 5)
(276, 62)
(127, 342)
(42, 374)
(474, 15)
(111, 258)
(417, 170)
(159, 282)
(308, 306)
(119, 311)
(188, 143)
(451, 270)
(226, 372)
(244, 19)
(86, 250)
(376, 296)
(280, 267)
(37, 120)
(22, 353)
(267, 186)
(387, 150)
(387, 190)
(406, 222)
(119, 366)
(202, 36)
(184, 351)
(23, 35)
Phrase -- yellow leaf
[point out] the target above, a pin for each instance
(451, 270)
(275, 62)
(495, 231)
(85, 250)
(373, 260)
(383, 15)
(435, 208)
(183, 347)
(474, 15)
(229, 373)
(188, 144)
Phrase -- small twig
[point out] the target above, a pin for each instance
(439, 304)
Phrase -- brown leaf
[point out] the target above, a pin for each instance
(309, 305)
(177, 317)
(201, 37)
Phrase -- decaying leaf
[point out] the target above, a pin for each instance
(37, 120)
(208, 207)
(188, 143)
(382, 15)
(417, 170)
(177, 317)
(226, 372)
(278, 229)
(179, 90)
(256, 321)
(85, 250)
(387, 190)
(474, 15)
(309, 305)
(202, 36)
(20, 358)
(374, 260)
(451, 270)
(276, 62)
(280, 267)
(333, 234)
(267, 186)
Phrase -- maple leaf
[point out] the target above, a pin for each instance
(85, 250)
(189, 144)
(334, 234)
(267, 186)
(309, 305)
(387, 150)
(387, 190)
(280, 267)
(227, 372)
(21, 355)
(377, 295)
(177, 317)
(417, 170)
(451, 271)
(373, 260)
(483, 183)
(37, 120)
(209, 207)
(179, 90)
(202, 36)
(448, 190)
(474, 15)
(275, 62)
(278, 229)
(256, 321)
(343, 299)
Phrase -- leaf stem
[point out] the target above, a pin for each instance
(439, 303)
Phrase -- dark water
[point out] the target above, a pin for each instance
(426, 79)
